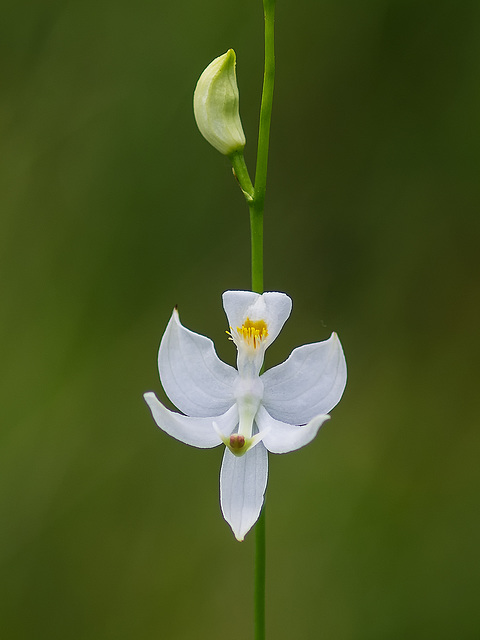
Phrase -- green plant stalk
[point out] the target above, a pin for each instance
(242, 176)
(255, 197)
(255, 194)
(257, 206)
(256, 238)
(259, 591)
(266, 108)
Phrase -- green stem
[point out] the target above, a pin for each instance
(256, 239)
(256, 206)
(240, 172)
(255, 197)
(266, 107)
(260, 577)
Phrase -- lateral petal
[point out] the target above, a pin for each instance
(272, 307)
(193, 376)
(197, 432)
(281, 437)
(243, 481)
(309, 383)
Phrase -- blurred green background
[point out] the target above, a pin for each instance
(113, 209)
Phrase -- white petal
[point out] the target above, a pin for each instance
(271, 307)
(243, 481)
(280, 437)
(198, 432)
(310, 382)
(194, 378)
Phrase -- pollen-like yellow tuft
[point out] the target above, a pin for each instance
(253, 332)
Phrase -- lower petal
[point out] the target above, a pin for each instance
(197, 432)
(243, 481)
(281, 437)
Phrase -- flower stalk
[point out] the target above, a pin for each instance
(256, 231)
(249, 411)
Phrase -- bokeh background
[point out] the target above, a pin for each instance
(113, 209)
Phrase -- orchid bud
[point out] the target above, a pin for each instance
(215, 104)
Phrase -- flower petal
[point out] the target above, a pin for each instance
(280, 437)
(193, 376)
(197, 432)
(271, 307)
(310, 382)
(243, 481)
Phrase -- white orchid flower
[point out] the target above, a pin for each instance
(278, 411)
